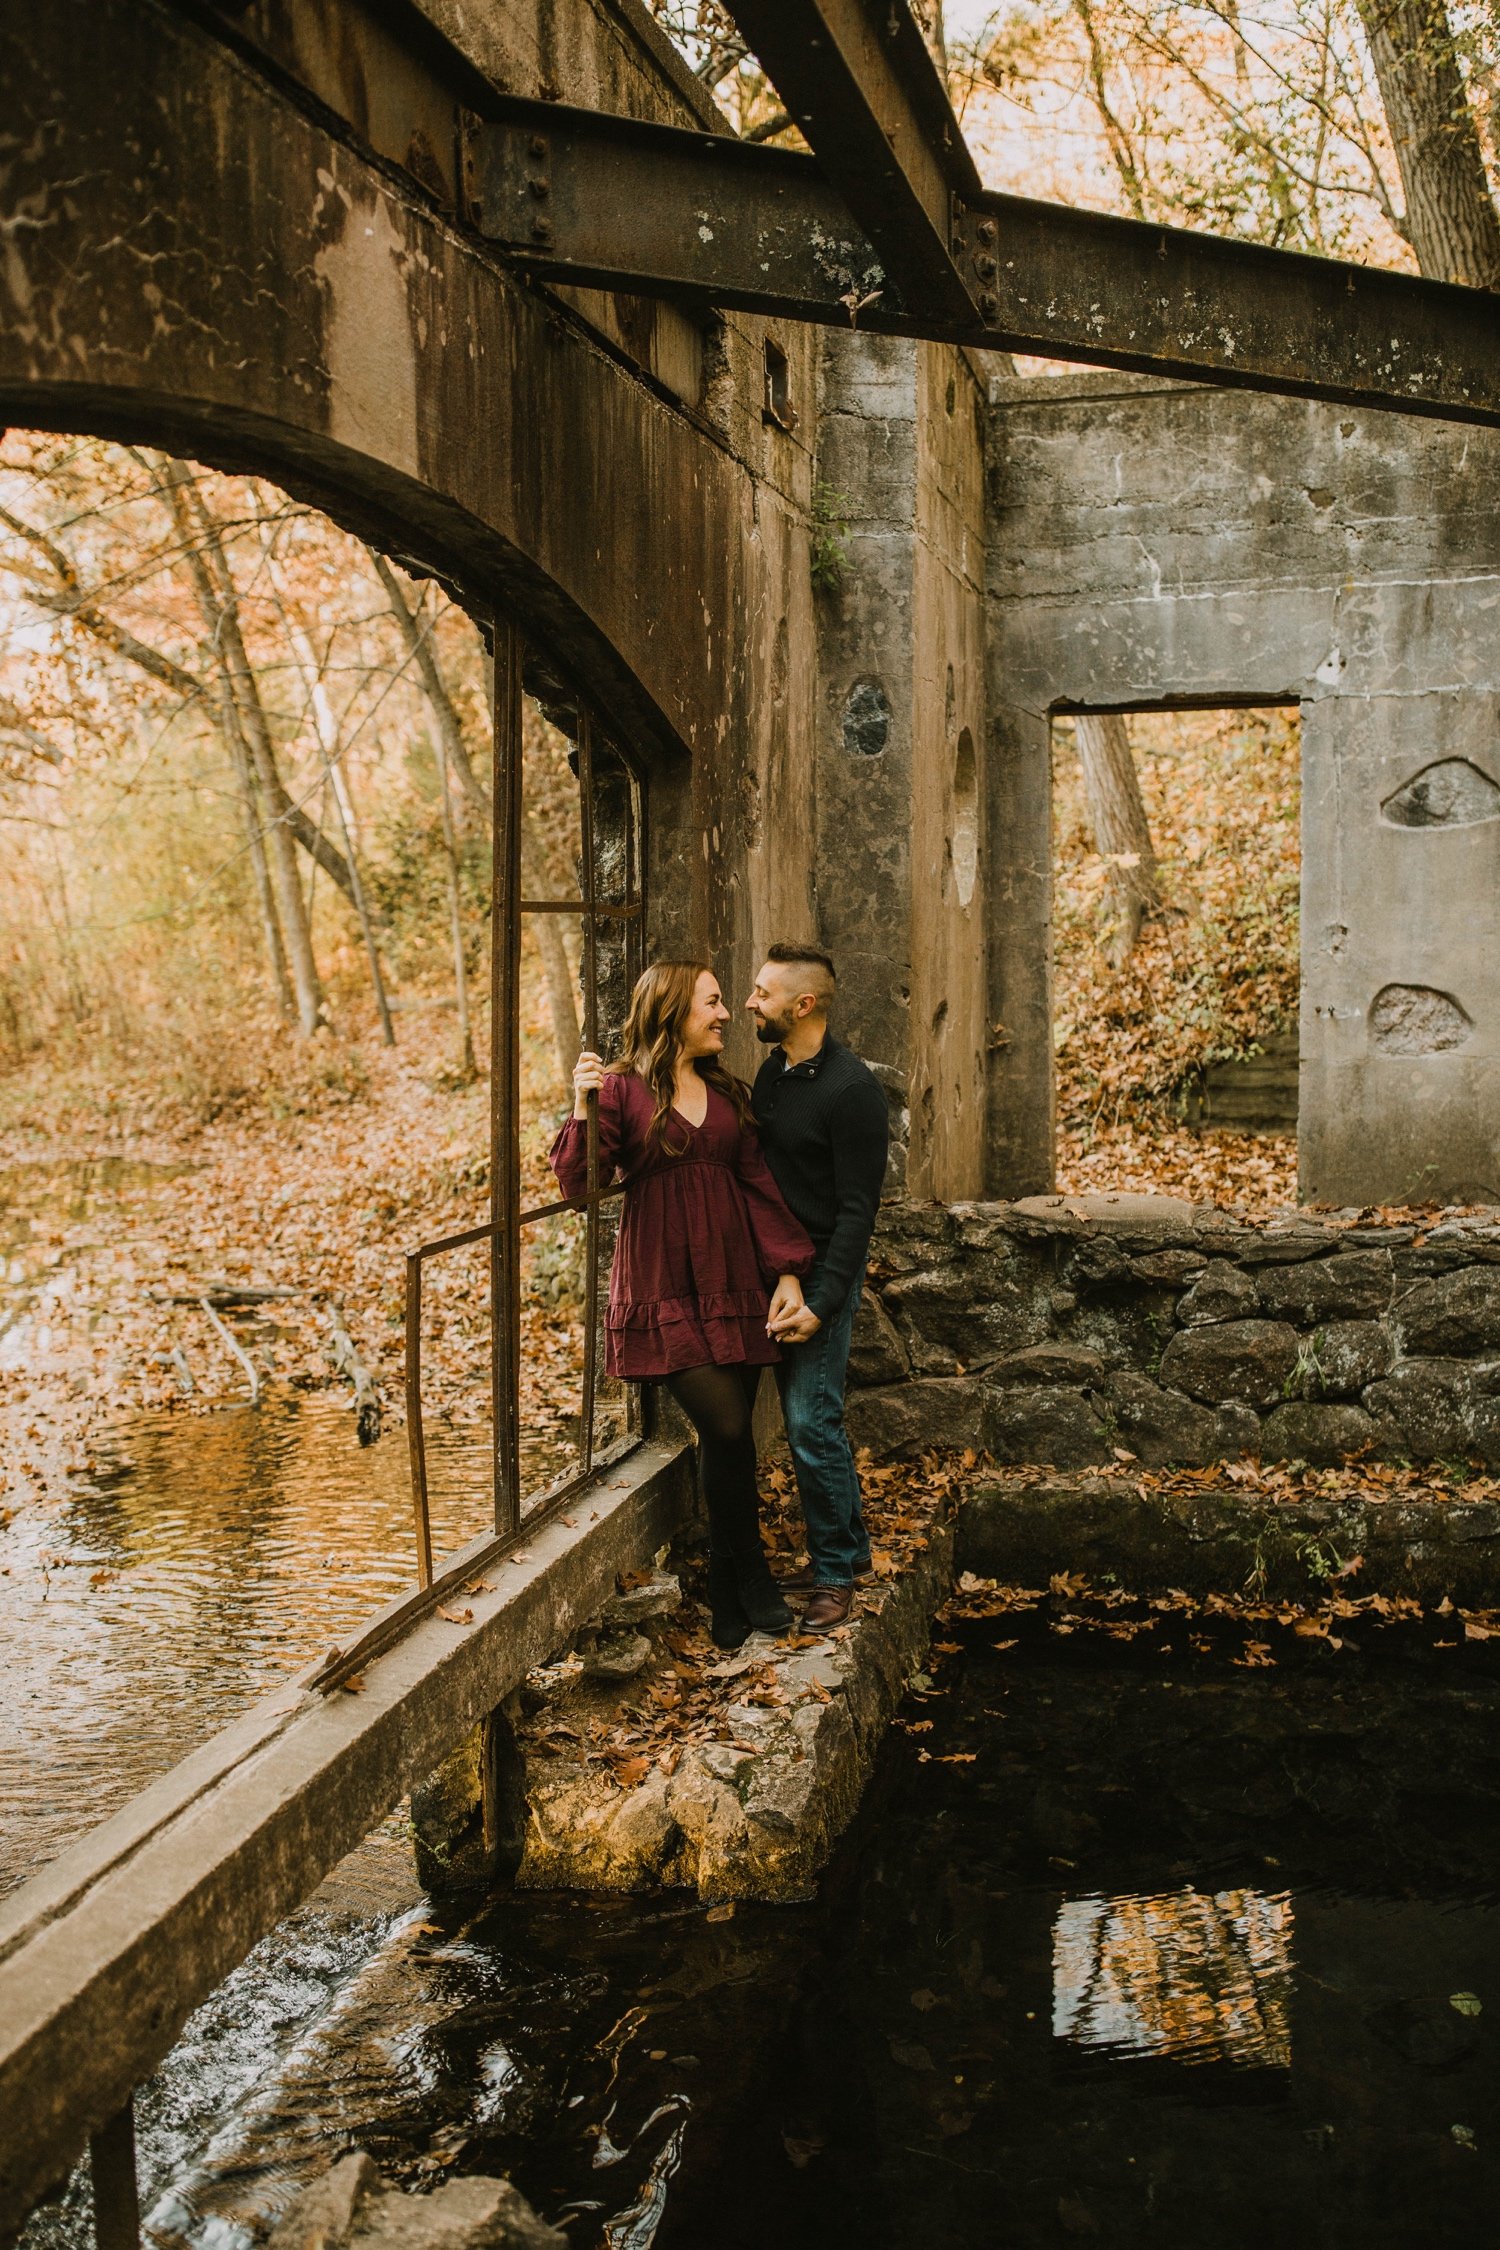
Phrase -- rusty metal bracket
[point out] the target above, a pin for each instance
(858, 78)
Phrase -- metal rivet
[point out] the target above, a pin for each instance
(986, 267)
(986, 230)
(538, 146)
(540, 188)
(989, 304)
(541, 230)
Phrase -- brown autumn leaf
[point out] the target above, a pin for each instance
(724, 1913)
(457, 1616)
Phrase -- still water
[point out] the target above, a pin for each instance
(1126, 1945)
(1122, 1948)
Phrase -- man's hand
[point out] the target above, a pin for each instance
(799, 1328)
(786, 1301)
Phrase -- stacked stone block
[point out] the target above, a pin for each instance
(1070, 1329)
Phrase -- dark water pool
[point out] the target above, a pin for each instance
(1123, 1948)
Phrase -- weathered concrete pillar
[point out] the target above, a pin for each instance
(899, 776)
(468, 1819)
(1021, 1150)
(1400, 1083)
(867, 471)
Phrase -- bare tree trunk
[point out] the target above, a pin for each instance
(67, 602)
(1122, 834)
(218, 604)
(557, 970)
(330, 750)
(466, 1061)
(557, 974)
(234, 739)
(418, 639)
(929, 15)
(1451, 221)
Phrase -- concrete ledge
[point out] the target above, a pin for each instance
(1022, 1529)
(105, 1955)
(755, 1814)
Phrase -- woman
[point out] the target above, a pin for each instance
(709, 1258)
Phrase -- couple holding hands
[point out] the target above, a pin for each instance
(746, 1226)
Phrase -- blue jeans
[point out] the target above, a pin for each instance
(810, 1378)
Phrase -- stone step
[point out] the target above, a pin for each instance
(1024, 1528)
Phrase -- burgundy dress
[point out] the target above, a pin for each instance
(703, 1239)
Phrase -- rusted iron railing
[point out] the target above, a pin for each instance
(508, 1520)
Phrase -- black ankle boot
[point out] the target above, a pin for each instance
(760, 1597)
(728, 1624)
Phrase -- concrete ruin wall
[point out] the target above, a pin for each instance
(864, 761)
(250, 288)
(901, 891)
(1057, 1329)
(1153, 544)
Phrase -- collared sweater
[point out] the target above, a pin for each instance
(825, 1128)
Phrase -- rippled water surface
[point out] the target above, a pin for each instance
(204, 1556)
(213, 1553)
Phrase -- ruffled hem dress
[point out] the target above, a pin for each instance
(704, 1235)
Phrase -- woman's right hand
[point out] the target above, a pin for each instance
(588, 1077)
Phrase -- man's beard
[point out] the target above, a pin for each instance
(771, 1030)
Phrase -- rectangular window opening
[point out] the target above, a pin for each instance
(1176, 953)
(778, 398)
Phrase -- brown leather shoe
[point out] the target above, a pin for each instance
(830, 1605)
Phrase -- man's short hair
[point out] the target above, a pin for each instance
(821, 983)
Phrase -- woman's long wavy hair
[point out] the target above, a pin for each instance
(652, 1041)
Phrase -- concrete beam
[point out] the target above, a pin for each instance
(105, 1955)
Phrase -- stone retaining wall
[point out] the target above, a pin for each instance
(1059, 1329)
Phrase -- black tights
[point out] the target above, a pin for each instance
(720, 1404)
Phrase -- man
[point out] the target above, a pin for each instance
(825, 1127)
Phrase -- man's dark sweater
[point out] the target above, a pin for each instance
(825, 1126)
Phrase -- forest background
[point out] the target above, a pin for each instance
(244, 768)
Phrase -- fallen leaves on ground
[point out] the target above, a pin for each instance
(1214, 971)
(1353, 1482)
(693, 1693)
(323, 1205)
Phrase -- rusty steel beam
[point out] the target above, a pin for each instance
(858, 79)
(1082, 285)
(609, 202)
(657, 210)
(663, 210)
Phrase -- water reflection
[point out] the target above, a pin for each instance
(1195, 1977)
(209, 1555)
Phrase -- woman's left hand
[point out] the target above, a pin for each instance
(786, 1303)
